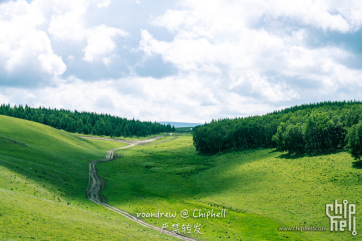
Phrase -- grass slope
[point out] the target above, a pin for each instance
(132, 138)
(44, 174)
(183, 129)
(261, 189)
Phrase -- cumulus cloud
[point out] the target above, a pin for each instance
(100, 44)
(176, 98)
(220, 16)
(21, 41)
(28, 31)
(69, 24)
(256, 84)
(52, 64)
(192, 61)
(189, 98)
(258, 48)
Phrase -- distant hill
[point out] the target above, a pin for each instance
(180, 124)
(85, 122)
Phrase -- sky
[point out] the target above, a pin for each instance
(184, 61)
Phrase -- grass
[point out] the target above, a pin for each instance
(261, 189)
(44, 174)
(183, 129)
(131, 138)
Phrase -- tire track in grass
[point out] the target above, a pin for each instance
(95, 185)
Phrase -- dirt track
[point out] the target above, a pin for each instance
(95, 185)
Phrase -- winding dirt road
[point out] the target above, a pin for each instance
(95, 186)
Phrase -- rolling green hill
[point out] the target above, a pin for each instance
(85, 122)
(44, 175)
(262, 189)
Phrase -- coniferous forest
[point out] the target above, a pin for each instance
(85, 122)
(311, 128)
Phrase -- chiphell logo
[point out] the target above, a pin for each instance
(342, 216)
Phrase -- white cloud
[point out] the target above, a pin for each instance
(328, 14)
(230, 58)
(100, 43)
(272, 92)
(230, 39)
(103, 3)
(171, 98)
(69, 24)
(191, 97)
(22, 43)
(219, 16)
(52, 64)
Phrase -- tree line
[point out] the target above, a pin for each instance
(311, 128)
(85, 122)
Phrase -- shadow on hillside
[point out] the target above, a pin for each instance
(232, 150)
(296, 156)
(357, 164)
(175, 178)
(207, 154)
(177, 174)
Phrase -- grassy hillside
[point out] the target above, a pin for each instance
(184, 129)
(85, 122)
(261, 189)
(131, 138)
(44, 174)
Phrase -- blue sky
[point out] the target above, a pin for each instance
(188, 61)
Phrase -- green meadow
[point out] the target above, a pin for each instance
(261, 189)
(44, 175)
(129, 138)
(184, 129)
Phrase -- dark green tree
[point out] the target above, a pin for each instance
(354, 139)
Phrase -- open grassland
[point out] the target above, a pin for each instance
(261, 189)
(132, 138)
(44, 175)
(184, 129)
